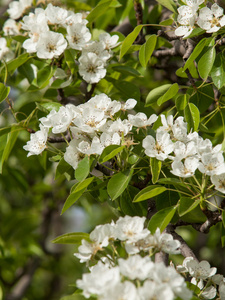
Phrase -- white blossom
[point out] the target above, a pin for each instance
(122, 291)
(141, 120)
(91, 67)
(136, 267)
(186, 169)
(87, 250)
(102, 234)
(212, 163)
(219, 182)
(72, 155)
(129, 104)
(109, 41)
(99, 281)
(159, 148)
(37, 142)
(78, 35)
(55, 14)
(212, 19)
(130, 228)
(17, 8)
(98, 48)
(153, 291)
(10, 27)
(50, 44)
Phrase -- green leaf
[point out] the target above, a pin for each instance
(128, 89)
(70, 55)
(51, 105)
(223, 218)
(83, 169)
(161, 219)
(76, 192)
(99, 10)
(155, 166)
(27, 71)
(186, 205)
(15, 63)
(156, 93)
(172, 91)
(222, 235)
(62, 168)
(181, 102)
(71, 238)
(168, 4)
(175, 182)
(11, 139)
(206, 62)
(218, 71)
(149, 192)
(126, 70)
(192, 116)
(4, 91)
(118, 183)
(129, 40)
(147, 49)
(44, 75)
(1, 293)
(109, 152)
(197, 50)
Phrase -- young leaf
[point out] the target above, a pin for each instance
(70, 55)
(118, 183)
(218, 71)
(76, 192)
(99, 10)
(11, 139)
(161, 219)
(83, 169)
(186, 205)
(156, 93)
(109, 152)
(129, 40)
(181, 102)
(44, 75)
(71, 238)
(149, 192)
(155, 166)
(172, 91)
(206, 61)
(12, 65)
(4, 91)
(168, 4)
(192, 116)
(62, 168)
(147, 49)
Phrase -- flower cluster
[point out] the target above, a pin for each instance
(53, 30)
(92, 125)
(135, 276)
(192, 14)
(188, 152)
(204, 277)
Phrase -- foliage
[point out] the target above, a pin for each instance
(124, 106)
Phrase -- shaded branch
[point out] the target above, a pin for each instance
(212, 219)
(184, 248)
(59, 139)
(139, 18)
(162, 257)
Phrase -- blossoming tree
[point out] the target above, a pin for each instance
(125, 100)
